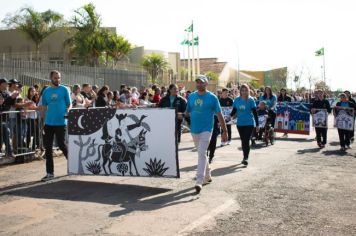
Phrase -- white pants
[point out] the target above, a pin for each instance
(201, 142)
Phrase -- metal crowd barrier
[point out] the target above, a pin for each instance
(21, 133)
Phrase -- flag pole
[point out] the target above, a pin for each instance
(198, 62)
(189, 73)
(183, 74)
(193, 56)
(324, 65)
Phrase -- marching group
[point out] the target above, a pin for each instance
(200, 110)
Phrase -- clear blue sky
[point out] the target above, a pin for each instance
(269, 34)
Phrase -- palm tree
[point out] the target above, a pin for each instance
(155, 64)
(36, 25)
(116, 47)
(88, 41)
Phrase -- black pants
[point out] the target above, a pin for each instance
(245, 133)
(272, 116)
(212, 145)
(179, 130)
(321, 135)
(228, 127)
(49, 132)
(344, 137)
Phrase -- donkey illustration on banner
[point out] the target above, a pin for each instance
(118, 150)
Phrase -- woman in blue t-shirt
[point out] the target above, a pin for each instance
(244, 108)
(271, 102)
(344, 135)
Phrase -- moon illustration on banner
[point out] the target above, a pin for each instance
(80, 122)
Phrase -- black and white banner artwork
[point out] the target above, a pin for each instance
(123, 142)
(344, 118)
(226, 111)
(320, 118)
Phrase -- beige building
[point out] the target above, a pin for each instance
(226, 73)
(173, 59)
(15, 44)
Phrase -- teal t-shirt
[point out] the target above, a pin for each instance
(344, 104)
(57, 101)
(269, 102)
(202, 110)
(171, 99)
(244, 114)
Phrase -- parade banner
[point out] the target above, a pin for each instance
(320, 118)
(344, 118)
(293, 117)
(123, 142)
(226, 111)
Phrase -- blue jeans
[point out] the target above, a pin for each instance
(5, 137)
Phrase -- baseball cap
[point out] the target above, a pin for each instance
(202, 78)
(3, 80)
(13, 81)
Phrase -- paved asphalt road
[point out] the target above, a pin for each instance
(291, 188)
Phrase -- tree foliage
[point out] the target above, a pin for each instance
(155, 64)
(37, 26)
(91, 41)
(212, 76)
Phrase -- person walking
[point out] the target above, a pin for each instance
(284, 97)
(56, 101)
(244, 108)
(321, 103)
(201, 107)
(173, 100)
(226, 101)
(344, 135)
(350, 98)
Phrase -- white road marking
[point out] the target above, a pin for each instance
(208, 216)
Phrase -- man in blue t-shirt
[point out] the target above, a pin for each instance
(56, 100)
(202, 105)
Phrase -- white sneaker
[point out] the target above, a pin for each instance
(228, 142)
(47, 177)
(207, 180)
(223, 144)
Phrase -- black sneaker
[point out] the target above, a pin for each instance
(47, 177)
(244, 162)
(342, 149)
(198, 188)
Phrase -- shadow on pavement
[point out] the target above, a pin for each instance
(302, 140)
(87, 191)
(334, 143)
(186, 148)
(336, 153)
(308, 150)
(227, 170)
(188, 168)
(175, 198)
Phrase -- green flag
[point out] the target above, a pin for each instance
(189, 29)
(185, 42)
(196, 41)
(320, 52)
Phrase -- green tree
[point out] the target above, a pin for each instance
(212, 76)
(155, 64)
(89, 39)
(254, 84)
(37, 26)
(116, 47)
